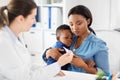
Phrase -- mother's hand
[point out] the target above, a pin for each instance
(54, 53)
(78, 62)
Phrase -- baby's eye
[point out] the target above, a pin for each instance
(71, 24)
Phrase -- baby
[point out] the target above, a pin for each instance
(64, 39)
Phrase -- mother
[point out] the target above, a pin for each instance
(85, 43)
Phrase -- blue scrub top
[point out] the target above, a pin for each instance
(92, 48)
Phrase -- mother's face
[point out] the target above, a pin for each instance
(78, 24)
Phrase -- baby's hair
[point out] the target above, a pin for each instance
(61, 28)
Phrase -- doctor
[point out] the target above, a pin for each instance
(15, 62)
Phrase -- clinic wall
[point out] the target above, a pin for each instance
(115, 14)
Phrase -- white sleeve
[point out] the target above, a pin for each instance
(45, 73)
(52, 69)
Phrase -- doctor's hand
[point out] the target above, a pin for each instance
(54, 53)
(60, 74)
(65, 58)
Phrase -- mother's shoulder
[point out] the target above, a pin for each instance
(96, 39)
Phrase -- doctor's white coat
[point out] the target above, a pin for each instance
(15, 61)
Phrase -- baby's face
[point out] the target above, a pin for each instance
(66, 37)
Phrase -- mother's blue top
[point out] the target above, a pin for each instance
(92, 48)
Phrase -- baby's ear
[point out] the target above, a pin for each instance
(57, 38)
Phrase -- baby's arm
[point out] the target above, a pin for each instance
(50, 61)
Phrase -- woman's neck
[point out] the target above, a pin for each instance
(84, 35)
(14, 29)
(80, 39)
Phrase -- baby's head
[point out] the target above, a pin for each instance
(64, 34)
